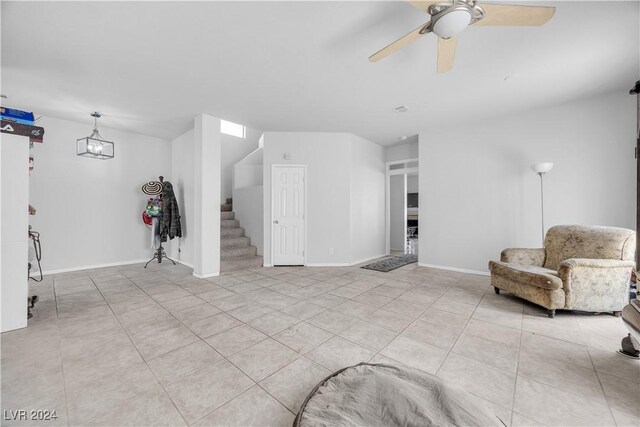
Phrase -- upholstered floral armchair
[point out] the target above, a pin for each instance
(580, 268)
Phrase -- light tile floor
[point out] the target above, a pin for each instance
(157, 346)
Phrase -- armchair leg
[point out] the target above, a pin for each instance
(496, 290)
(551, 314)
(617, 313)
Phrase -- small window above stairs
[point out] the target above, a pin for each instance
(236, 251)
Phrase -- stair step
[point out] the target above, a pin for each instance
(225, 242)
(240, 263)
(232, 232)
(227, 215)
(229, 223)
(238, 251)
(226, 207)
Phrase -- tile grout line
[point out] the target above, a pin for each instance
(604, 393)
(300, 355)
(275, 398)
(457, 338)
(143, 359)
(64, 377)
(515, 386)
(422, 313)
(223, 356)
(203, 340)
(255, 383)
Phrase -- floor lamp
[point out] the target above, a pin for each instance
(541, 169)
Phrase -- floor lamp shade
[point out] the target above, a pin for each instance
(542, 167)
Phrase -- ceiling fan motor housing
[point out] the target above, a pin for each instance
(449, 19)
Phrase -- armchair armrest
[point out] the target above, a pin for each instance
(596, 263)
(534, 256)
(595, 284)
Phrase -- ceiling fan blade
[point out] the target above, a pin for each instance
(446, 53)
(512, 15)
(423, 5)
(399, 44)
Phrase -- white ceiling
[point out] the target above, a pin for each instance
(150, 67)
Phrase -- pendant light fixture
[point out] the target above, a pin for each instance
(94, 145)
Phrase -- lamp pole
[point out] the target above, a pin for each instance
(541, 174)
(541, 169)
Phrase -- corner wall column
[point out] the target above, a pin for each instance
(206, 204)
(14, 224)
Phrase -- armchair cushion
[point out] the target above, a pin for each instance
(595, 284)
(578, 241)
(525, 256)
(527, 274)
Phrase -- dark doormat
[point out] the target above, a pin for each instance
(391, 263)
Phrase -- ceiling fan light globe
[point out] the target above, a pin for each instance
(451, 23)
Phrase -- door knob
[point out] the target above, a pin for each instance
(276, 222)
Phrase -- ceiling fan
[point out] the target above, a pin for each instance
(449, 18)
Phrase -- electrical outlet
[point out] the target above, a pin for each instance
(330, 251)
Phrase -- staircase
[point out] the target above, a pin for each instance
(236, 252)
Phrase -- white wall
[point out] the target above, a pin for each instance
(478, 194)
(248, 171)
(14, 190)
(89, 211)
(247, 176)
(412, 184)
(246, 205)
(247, 194)
(330, 158)
(235, 149)
(397, 201)
(405, 150)
(327, 158)
(182, 166)
(206, 189)
(367, 200)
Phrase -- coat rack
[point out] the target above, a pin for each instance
(160, 253)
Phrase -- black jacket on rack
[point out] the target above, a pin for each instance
(170, 216)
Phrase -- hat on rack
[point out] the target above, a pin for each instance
(152, 188)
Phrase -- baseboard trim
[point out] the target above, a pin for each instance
(459, 270)
(87, 267)
(327, 264)
(205, 276)
(343, 264)
(186, 264)
(367, 259)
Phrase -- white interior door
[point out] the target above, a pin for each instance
(288, 205)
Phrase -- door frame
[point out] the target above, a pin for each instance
(304, 182)
(388, 173)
